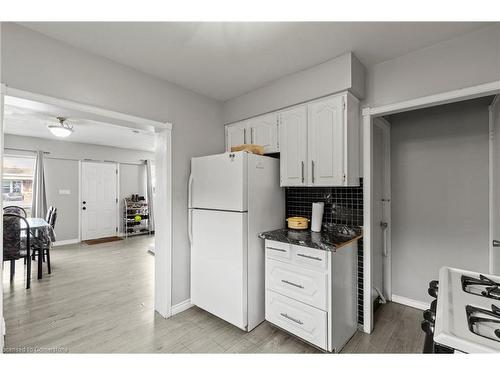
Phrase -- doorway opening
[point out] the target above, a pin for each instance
(419, 157)
(87, 177)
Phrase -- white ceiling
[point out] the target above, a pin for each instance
(32, 120)
(225, 60)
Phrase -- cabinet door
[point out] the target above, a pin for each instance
(293, 146)
(235, 135)
(326, 142)
(263, 131)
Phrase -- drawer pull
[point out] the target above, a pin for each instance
(284, 315)
(275, 248)
(309, 257)
(292, 284)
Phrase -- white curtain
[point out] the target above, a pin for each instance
(39, 203)
(150, 192)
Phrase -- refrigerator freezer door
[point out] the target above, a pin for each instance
(219, 264)
(219, 182)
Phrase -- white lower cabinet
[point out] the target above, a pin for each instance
(299, 283)
(304, 321)
(312, 293)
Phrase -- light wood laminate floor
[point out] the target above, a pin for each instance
(99, 299)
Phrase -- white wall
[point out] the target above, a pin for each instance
(464, 61)
(338, 74)
(34, 62)
(439, 198)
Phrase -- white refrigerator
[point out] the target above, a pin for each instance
(232, 198)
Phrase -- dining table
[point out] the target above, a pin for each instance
(39, 229)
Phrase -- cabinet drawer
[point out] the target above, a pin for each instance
(310, 257)
(278, 250)
(302, 284)
(297, 318)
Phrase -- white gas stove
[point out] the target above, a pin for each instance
(467, 316)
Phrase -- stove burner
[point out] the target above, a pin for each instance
(481, 287)
(482, 322)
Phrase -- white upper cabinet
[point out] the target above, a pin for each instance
(326, 142)
(324, 135)
(318, 141)
(293, 146)
(236, 134)
(263, 131)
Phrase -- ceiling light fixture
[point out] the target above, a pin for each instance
(62, 129)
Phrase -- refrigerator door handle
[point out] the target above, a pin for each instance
(190, 211)
(190, 226)
(190, 188)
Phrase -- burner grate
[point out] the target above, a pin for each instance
(482, 286)
(483, 322)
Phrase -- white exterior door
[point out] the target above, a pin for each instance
(326, 142)
(264, 132)
(99, 205)
(495, 188)
(219, 264)
(219, 182)
(293, 147)
(236, 135)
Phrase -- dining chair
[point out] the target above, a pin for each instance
(49, 213)
(16, 245)
(43, 245)
(16, 210)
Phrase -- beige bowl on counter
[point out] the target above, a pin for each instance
(297, 222)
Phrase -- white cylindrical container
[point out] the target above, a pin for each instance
(317, 216)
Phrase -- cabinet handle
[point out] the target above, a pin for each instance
(302, 170)
(274, 248)
(251, 135)
(284, 315)
(309, 257)
(292, 284)
(312, 170)
(245, 135)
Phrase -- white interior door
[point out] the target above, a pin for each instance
(495, 187)
(99, 205)
(381, 209)
(219, 264)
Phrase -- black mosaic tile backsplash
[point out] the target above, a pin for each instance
(343, 205)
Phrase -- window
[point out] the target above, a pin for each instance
(17, 181)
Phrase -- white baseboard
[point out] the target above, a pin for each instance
(180, 307)
(66, 242)
(410, 302)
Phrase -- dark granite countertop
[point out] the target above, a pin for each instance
(328, 240)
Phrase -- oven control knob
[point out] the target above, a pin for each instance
(429, 315)
(427, 327)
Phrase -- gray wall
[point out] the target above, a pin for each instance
(63, 174)
(34, 62)
(439, 202)
(467, 60)
(133, 180)
(338, 74)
